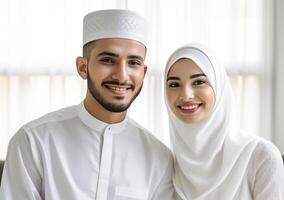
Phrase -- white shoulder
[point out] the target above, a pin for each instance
(267, 153)
(268, 172)
(59, 115)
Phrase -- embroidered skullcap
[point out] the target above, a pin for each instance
(114, 23)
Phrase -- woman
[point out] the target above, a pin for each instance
(214, 160)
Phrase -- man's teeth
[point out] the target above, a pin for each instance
(118, 89)
(189, 107)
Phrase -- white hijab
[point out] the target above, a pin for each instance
(211, 156)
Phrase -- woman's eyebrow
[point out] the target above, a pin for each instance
(192, 76)
(173, 78)
(197, 75)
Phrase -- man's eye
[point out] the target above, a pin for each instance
(173, 85)
(107, 60)
(135, 62)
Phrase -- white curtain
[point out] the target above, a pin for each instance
(40, 40)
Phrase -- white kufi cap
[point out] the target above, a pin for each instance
(114, 23)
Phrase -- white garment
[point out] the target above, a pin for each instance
(264, 176)
(70, 155)
(211, 157)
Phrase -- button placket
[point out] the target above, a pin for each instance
(105, 166)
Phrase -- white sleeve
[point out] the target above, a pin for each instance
(269, 175)
(21, 178)
(165, 189)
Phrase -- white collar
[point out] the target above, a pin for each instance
(97, 124)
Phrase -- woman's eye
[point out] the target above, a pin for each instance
(107, 60)
(199, 82)
(173, 85)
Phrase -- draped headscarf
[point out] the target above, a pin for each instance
(211, 156)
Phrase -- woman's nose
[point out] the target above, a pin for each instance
(187, 93)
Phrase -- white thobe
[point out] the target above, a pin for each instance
(70, 155)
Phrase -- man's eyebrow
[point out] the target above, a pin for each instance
(135, 57)
(173, 78)
(197, 75)
(107, 53)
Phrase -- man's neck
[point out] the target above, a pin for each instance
(100, 113)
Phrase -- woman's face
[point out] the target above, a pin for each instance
(189, 92)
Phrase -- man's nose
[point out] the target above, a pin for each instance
(121, 72)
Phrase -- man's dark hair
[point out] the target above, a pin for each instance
(87, 49)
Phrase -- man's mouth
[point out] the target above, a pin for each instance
(117, 88)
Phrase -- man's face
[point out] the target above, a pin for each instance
(116, 71)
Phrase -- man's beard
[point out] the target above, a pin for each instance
(112, 107)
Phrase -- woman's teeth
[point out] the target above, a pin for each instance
(191, 107)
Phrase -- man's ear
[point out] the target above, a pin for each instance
(145, 69)
(82, 67)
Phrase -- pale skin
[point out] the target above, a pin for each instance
(119, 60)
(189, 93)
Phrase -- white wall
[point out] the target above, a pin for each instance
(278, 138)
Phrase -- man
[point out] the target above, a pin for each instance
(93, 151)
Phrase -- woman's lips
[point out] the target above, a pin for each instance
(189, 108)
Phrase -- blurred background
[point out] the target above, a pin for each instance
(40, 40)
